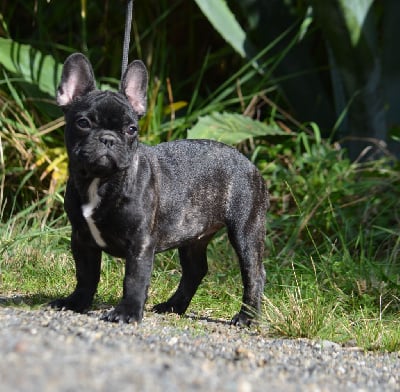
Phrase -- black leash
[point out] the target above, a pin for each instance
(127, 36)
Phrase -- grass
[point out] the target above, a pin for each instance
(31, 276)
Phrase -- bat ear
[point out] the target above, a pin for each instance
(134, 86)
(77, 79)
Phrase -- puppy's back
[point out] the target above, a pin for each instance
(204, 184)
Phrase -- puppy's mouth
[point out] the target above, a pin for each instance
(100, 164)
(105, 161)
(99, 157)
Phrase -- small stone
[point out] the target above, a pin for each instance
(243, 353)
(172, 341)
(244, 386)
(327, 344)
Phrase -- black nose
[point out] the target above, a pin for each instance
(107, 140)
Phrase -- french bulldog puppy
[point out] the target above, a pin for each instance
(132, 201)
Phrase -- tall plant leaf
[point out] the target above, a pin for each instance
(30, 64)
(223, 20)
(352, 36)
(231, 128)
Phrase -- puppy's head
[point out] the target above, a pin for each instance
(101, 126)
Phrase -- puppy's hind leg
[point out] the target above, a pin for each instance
(193, 259)
(247, 238)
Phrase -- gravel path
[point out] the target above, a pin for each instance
(45, 350)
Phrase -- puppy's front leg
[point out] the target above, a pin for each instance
(87, 263)
(138, 267)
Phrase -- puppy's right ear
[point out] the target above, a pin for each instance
(77, 79)
(134, 86)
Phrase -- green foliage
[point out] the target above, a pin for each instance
(231, 128)
(34, 161)
(223, 20)
(349, 27)
(34, 67)
(352, 71)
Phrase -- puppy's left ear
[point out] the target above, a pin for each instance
(134, 86)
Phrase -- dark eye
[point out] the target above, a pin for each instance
(131, 130)
(83, 123)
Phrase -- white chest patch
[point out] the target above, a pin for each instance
(87, 211)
